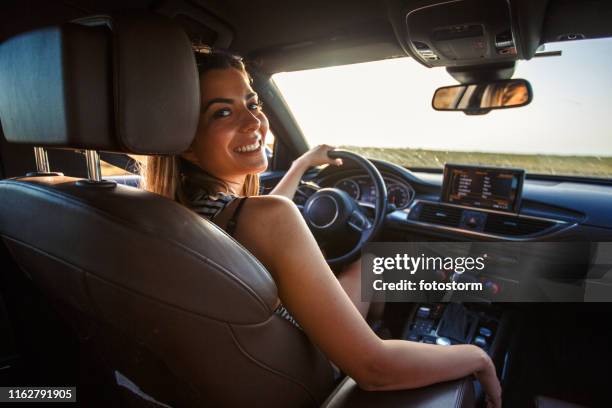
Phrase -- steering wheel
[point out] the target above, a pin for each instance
(331, 213)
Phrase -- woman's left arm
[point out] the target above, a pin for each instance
(314, 157)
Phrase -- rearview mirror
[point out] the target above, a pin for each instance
(478, 99)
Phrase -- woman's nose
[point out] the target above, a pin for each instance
(249, 122)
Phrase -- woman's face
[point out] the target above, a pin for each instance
(230, 140)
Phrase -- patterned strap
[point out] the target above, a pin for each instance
(233, 222)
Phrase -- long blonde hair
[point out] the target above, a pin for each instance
(162, 175)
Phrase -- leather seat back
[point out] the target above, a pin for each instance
(164, 302)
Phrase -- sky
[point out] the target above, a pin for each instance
(388, 104)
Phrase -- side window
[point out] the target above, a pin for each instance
(118, 164)
(111, 170)
(72, 163)
(270, 143)
(270, 139)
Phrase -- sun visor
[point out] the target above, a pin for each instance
(128, 85)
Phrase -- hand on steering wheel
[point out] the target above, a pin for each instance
(319, 155)
(331, 213)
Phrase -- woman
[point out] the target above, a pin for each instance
(221, 166)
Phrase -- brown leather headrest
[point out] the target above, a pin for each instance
(130, 85)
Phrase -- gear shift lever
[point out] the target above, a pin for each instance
(456, 323)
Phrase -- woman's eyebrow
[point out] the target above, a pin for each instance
(226, 100)
(217, 100)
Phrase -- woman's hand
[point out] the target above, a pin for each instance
(314, 157)
(318, 156)
(488, 379)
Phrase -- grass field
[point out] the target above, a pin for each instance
(542, 164)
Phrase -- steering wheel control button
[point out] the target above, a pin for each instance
(322, 211)
(359, 221)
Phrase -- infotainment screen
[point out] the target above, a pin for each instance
(483, 187)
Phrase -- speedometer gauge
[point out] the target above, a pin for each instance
(349, 186)
(399, 196)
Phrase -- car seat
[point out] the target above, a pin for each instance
(166, 307)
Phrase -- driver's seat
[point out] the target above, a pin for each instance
(164, 303)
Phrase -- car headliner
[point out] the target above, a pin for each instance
(282, 35)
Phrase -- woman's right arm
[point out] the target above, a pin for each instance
(314, 157)
(274, 231)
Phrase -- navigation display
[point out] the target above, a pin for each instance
(483, 187)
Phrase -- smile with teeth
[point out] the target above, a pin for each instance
(249, 148)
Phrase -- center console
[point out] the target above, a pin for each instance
(458, 393)
(483, 325)
(483, 187)
(451, 323)
(479, 202)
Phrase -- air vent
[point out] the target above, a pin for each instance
(436, 214)
(515, 226)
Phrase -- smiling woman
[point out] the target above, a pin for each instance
(223, 154)
(214, 294)
(213, 177)
(232, 128)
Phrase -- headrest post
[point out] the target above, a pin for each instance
(42, 160)
(94, 172)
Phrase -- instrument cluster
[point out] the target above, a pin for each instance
(361, 188)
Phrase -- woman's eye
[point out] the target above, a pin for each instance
(221, 113)
(255, 105)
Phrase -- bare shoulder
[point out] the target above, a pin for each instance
(274, 203)
(271, 212)
(259, 208)
(262, 214)
(267, 222)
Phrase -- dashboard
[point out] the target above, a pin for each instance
(477, 203)
(516, 208)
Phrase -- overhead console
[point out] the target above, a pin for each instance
(461, 33)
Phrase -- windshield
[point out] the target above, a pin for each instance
(383, 110)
